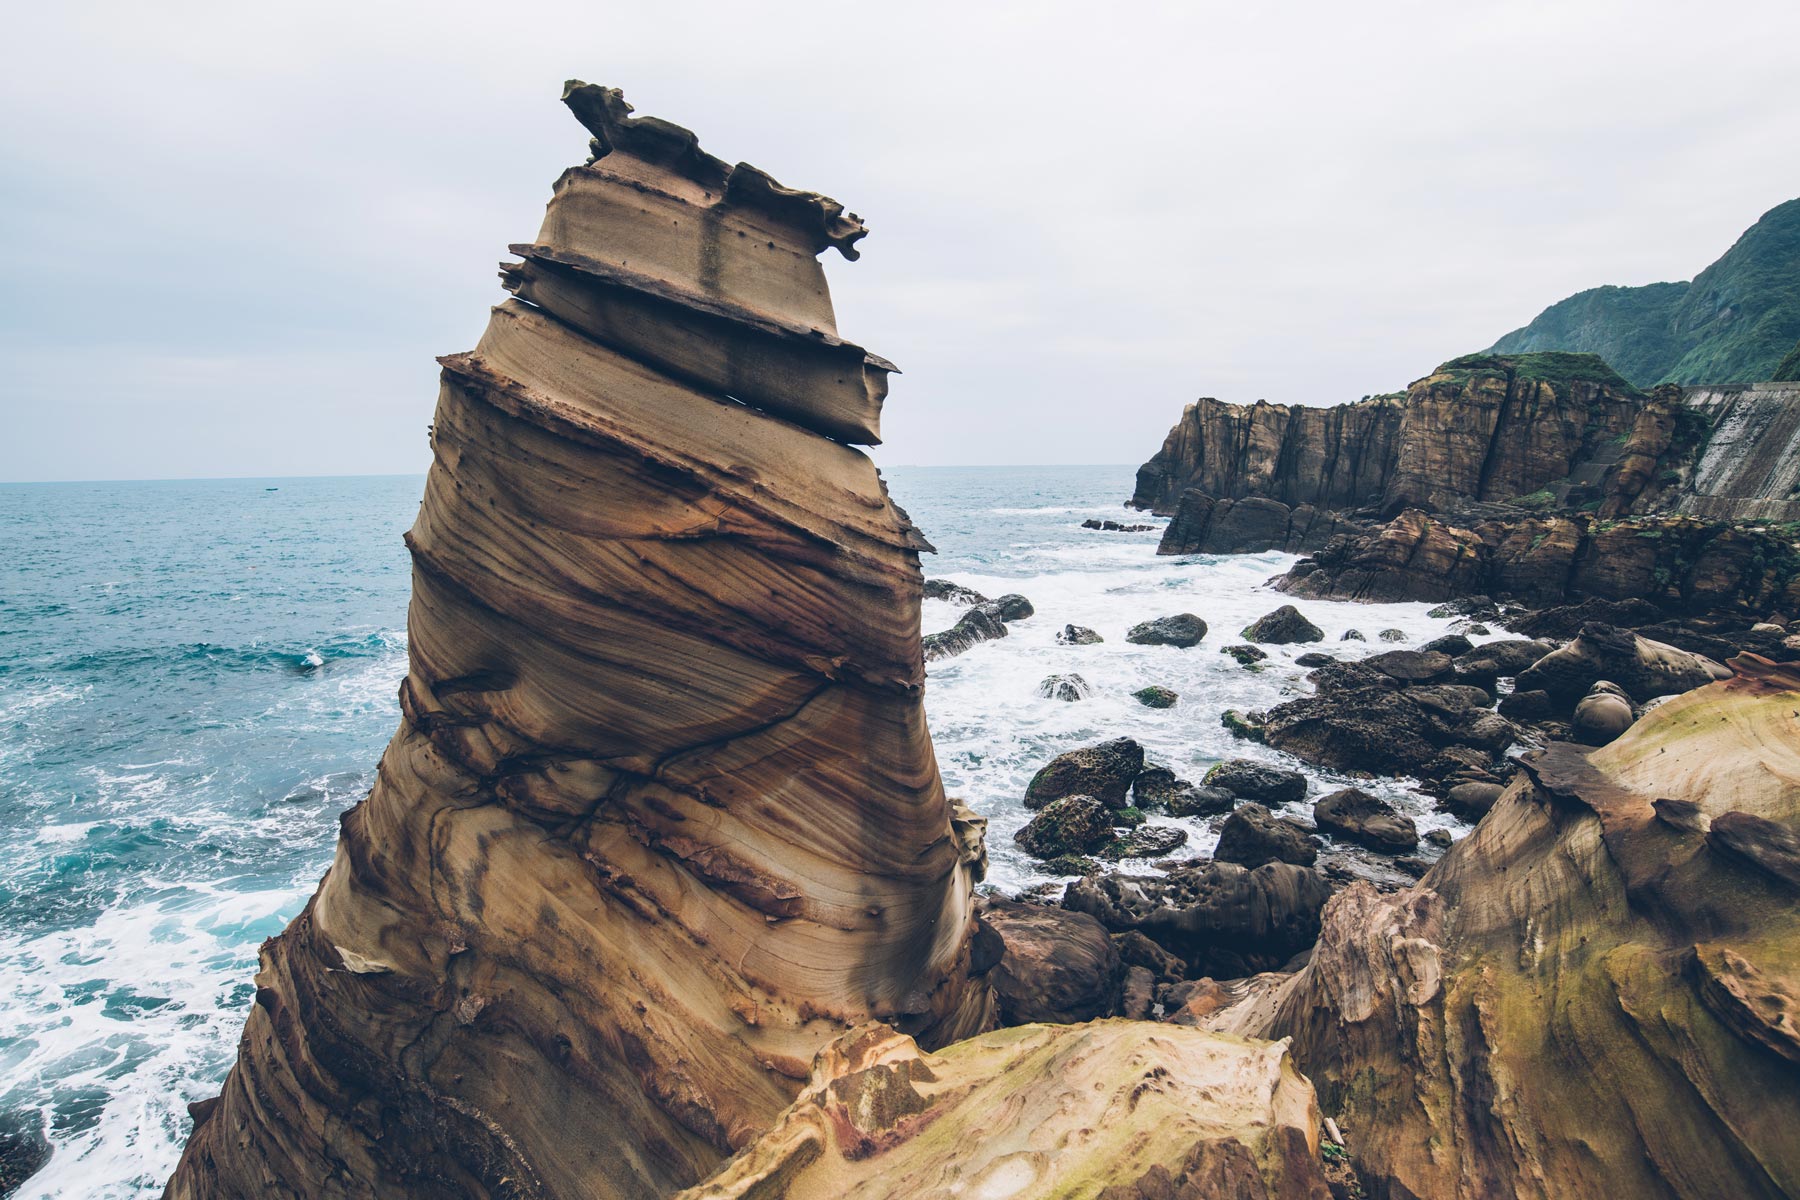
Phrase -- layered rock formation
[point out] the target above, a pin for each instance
(1124, 1110)
(1750, 466)
(662, 816)
(1597, 992)
(1478, 428)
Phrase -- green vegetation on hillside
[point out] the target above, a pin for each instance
(1732, 324)
(1553, 366)
(1789, 370)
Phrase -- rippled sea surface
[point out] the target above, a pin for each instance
(197, 678)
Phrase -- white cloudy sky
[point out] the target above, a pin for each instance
(233, 236)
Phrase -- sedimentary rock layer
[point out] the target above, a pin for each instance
(1123, 1109)
(1594, 994)
(662, 816)
(1479, 428)
(1750, 467)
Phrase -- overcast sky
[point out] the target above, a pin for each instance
(234, 236)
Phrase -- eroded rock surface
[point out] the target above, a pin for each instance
(1123, 1109)
(662, 816)
(1590, 995)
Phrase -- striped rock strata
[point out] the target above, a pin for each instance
(1595, 994)
(661, 817)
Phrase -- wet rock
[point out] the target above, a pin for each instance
(1645, 669)
(1453, 644)
(1253, 836)
(1441, 838)
(1058, 965)
(1189, 800)
(1370, 729)
(1078, 635)
(1012, 607)
(1534, 705)
(1466, 606)
(1148, 841)
(1249, 780)
(954, 593)
(23, 1149)
(1247, 726)
(1181, 630)
(1222, 919)
(1416, 867)
(1104, 771)
(1071, 825)
(1152, 787)
(1471, 801)
(1065, 687)
(979, 624)
(1284, 626)
(1476, 670)
(1062, 864)
(1246, 656)
(1601, 715)
(1155, 697)
(1769, 846)
(1411, 666)
(1353, 635)
(1392, 635)
(1115, 526)
(1366, 819)
(1513, 655)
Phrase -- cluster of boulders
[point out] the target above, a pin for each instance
(983, 620)
(1115, 526)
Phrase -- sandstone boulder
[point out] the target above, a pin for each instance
(1354, 814)
(1056, 965)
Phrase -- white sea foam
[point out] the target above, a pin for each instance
(992, 731)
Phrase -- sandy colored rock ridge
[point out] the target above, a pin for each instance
(662, 816)
(1596, 993)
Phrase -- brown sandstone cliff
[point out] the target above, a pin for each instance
(1597, 993)
(1478, 428)
(661, 816)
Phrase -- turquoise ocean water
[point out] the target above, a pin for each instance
(196, 678)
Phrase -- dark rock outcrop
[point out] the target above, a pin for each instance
(1479, 428)
(1182, 630)
(1285, 626)
(1078, 635)
(1357, 816)
(1251, 525)
(1056, 965)
(1155, 696)
(1065, 687)
(1253, 835)
(1250, 780)
(1104, 771)
(1071, 825)
(1222, 919)
(1644, 669)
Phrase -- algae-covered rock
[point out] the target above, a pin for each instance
(1104, 771)
(1155, 697)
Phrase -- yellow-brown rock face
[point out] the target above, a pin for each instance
(1594, 995)
(1122, 1110)
(661, 817)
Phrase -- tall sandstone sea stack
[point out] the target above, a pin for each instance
(661, 817)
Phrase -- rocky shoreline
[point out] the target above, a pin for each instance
(660, 892)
